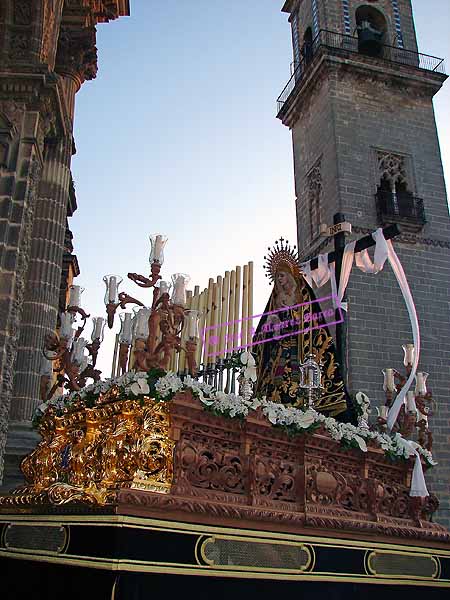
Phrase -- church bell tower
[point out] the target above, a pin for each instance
(359, 104)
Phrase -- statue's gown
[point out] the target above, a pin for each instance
(278, 360)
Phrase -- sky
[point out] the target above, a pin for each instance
(178, 135)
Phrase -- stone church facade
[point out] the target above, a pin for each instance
(359, 105)
(47, 51)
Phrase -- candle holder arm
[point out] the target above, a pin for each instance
(142, 281)
(125, 299)
(93, 349)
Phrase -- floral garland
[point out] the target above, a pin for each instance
(163, 387)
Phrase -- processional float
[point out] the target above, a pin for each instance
(230, 466)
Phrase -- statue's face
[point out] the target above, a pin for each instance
(281, 278)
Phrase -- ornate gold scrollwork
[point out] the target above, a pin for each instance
(88, 454)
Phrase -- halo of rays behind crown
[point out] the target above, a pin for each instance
(281, 252)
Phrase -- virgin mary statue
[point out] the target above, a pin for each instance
(293, 327)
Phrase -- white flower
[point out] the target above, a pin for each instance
(247, 359)
(255, 404)
(361, 443)
(306, 419)
(194, 385)
(140, 387)
(167, 384)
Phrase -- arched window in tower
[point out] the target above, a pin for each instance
(395, 199)
(314, 198)
(372, 30)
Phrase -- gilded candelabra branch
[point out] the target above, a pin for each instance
(66, 364)
(418, 403)
(123, 300)
(154, 333)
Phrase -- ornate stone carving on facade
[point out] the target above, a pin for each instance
(19, 45)
(77, 53)
(50, 24)
(314, 178)
(406, 238)
(13, 111)
(392, 168)
(22, 12)
(49, 124)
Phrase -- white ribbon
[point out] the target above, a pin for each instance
(346, 267)
(317, 277)
(306, 271)
(418, 485)
(347, 264)
(403, 283)
(324, 272)
(363, 260)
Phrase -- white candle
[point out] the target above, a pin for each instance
(97, 331)
(411, 402)
(112, 289)
(192, 317)
(112, 283)
(140, 323)
(421, 388)
(180, 280)
(84, 363)
(157, 248)
(389, 384)
(164, 287)
(409, 354)
(78, 351)
(66, 330)
(75, 295)
(126, 335)
(384, 412)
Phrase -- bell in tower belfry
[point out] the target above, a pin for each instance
(359, 105)
(371, 28)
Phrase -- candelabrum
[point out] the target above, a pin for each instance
(417, 407)
(154, 332)
(311, 378)
(65, 352)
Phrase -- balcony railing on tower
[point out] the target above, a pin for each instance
(345, 45)
(401, 207)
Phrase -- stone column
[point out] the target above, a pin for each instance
(43, 279)
(19, 178)
(44, 276)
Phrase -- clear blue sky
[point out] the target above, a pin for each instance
(178, 135)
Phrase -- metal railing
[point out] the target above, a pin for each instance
(343, 45)
(401, 207)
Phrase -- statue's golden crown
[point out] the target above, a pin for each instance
(282, 257)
